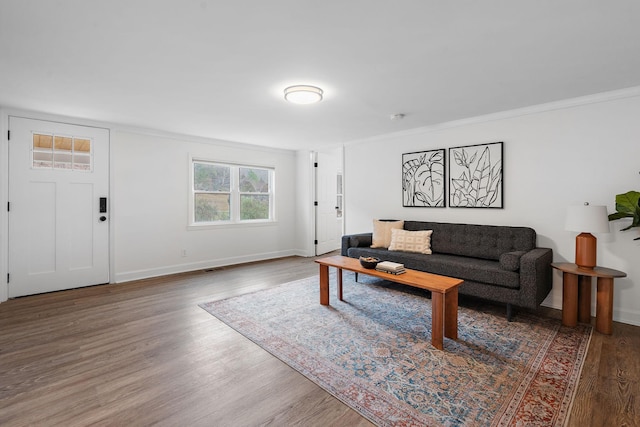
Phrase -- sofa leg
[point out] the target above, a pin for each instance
(356, 273)
(509, 313)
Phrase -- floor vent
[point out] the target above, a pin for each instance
(209, 270)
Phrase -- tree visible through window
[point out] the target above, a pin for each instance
(230, 193)
(212, 186)
(254, 193)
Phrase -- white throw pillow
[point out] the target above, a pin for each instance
(411, 241)
(382, 232)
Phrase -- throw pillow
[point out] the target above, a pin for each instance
(511, 260)
(411, 241)
(382, 232)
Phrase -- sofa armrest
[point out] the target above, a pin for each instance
(355, 241)
(535, 277)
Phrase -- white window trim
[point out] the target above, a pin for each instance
(235, 220)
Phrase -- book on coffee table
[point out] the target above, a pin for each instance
(392, 272)
(390, 267)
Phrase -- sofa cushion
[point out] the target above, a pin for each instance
(477, 241)
(382, 232)
(511, 260)
(411, 241)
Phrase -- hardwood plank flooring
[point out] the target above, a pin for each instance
(143, 353)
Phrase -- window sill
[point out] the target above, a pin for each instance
(210, 226)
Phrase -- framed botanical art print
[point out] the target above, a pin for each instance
(475, 173)
(423, 179)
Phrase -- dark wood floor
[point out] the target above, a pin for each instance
(144, 353)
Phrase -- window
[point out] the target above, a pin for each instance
(212, 192)
(61, 152)
(254, 193)
(225, 193)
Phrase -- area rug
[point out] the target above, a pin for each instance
(373, 352)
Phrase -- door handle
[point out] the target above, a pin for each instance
(103, 218)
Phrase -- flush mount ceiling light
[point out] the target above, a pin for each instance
(303, 94)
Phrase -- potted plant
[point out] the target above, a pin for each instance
(628, 206)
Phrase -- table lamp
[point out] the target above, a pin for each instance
(587, 219)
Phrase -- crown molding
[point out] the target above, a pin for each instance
(508, 114)
(113, 128)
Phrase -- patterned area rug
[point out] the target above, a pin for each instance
(373, 352)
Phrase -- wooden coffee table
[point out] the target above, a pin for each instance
(444, 292)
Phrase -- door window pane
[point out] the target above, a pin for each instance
(42, 151)
(42, 142)
(63, 143)
(61, 152)
(81, 154)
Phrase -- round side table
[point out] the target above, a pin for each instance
(576, 295)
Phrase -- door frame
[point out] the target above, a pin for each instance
(338, 151)
(4, 187)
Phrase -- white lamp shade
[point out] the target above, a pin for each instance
(587, 219)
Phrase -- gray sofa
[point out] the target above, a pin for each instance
(497, 263)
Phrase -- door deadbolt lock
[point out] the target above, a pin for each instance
(103, 218)
(103, 205)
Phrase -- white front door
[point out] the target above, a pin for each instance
(329, 201)
(58, 206)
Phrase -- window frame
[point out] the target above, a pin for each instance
(234, 195)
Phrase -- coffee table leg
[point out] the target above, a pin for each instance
(339, 273)
(324, 284)
(569, 299)
(451, 314)
(437, 317)
(604, 306)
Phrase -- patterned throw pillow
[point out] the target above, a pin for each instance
(411, 241)
(382, 232)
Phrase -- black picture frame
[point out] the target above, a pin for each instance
(476, 176)
(423, 179)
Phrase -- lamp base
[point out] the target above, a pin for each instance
(586, 250)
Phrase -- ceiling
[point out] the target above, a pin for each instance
(217, 69)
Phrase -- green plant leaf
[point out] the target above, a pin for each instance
(619, 215)
(636, 218)
(627, 206)
(628, 202)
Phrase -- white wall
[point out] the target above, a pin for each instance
(554, 156)
(149, 191)
(149, 197)
(150, 188)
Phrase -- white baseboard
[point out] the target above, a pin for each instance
(127, 276)
(630, 317)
